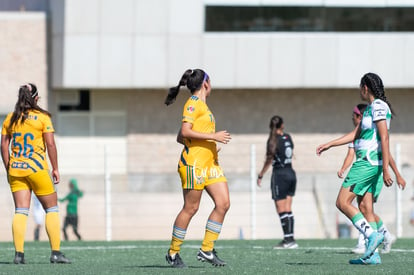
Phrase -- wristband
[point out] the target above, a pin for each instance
(259, 177)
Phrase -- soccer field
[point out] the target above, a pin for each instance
(242, 256)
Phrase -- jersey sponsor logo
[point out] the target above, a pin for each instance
(288, 152)
(380, 113)
(199, 179)
(20, 165)
(190, 109)
(203, 173)
(216, 172)
(198, 174)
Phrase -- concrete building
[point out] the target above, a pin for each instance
(105, 67)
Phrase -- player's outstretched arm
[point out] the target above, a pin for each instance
(345, 139)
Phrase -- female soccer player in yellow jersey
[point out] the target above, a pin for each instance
(198, 168)
(28, 132)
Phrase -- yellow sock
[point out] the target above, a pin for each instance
(209, 238)
(213, 230)
(177, 240)
(53, 229)
(175, 245)
(19, 226)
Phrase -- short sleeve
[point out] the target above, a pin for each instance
(191, 111)
(47, 124)
(379, 110)
(4, 130)
(291, 141)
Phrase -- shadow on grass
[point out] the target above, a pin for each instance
(302, 264)
(164, 267)
(28, 263)
(333, 252)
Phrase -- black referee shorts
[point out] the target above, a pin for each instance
(283, 183)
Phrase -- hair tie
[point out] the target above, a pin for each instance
(205, 77)
(357, 111)
(29, 87)
(34, 94)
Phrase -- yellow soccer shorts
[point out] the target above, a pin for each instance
(40, 182)
(198, 177)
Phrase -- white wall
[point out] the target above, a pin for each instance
(87, 156)
(149, 44)
(22, 56)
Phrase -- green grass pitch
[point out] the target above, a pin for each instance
(242, 256)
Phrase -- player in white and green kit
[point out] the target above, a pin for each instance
(389, 239)
(368, 164)
(372, 153)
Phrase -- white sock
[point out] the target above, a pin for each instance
(384, 230)
(361, 240)
(363, 226)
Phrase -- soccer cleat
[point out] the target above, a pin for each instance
(175, 261)
(291, 244)
(374, 240)
(57, 257)
(286, 244)
(389, 239)
(359, 249)
(210, 257)
(19, 258)
(374, 259)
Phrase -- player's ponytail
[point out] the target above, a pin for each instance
(27, 101)
(374, 84)
(275, 123)
(173, 91)
(193, 79)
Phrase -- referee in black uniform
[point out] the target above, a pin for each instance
(279, 153)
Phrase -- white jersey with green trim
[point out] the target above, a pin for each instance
(368, 144)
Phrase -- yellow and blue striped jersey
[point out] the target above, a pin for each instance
(198, 152)
(28, 149)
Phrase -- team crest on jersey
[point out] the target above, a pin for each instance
(190, 109)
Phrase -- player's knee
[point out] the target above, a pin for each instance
(339, 204)
(223, 207)
(191, 209)
(227, 206)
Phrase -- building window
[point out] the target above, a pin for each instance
(308, 19)
(75, 101)
(85, 113)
